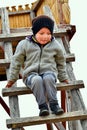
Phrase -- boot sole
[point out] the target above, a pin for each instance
(58, 112)
(44, 113)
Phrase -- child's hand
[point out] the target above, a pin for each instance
(9, 84)
(66, 81)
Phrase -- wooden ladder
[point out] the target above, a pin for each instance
(75, 106)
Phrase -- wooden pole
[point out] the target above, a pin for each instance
(13, 101)
(4, 105)
(48, 12)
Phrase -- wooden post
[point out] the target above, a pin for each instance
(13, 101)
(60, 12)
(4, 105)
(48, 12)
(76, 97)
(63, 104)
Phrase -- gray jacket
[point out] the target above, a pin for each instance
(35, 59)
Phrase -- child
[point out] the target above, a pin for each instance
(44, 61)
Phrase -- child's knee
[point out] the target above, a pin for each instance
(49, 78)
(36, 79)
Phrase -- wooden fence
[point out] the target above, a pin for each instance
(19, 17)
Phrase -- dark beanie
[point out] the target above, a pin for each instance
(42, 21)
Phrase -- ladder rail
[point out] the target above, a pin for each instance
(8, 54)
(75, 94)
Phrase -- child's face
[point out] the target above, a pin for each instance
(43, 36)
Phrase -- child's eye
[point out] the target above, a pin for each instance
(49, 34)
(41, 33)
(45, 34)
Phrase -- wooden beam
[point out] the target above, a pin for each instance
(22, 35)
(74, 97)
(49, 126)
(38, 4)
(37, 120)
(62, 27)
(4, 105)
(14, 109)
(18, 30)
(59, 126)
(6, 62)
(70, 57)
(63, 104)
(13, 36)
(19, 34)
(24, 90)
(18, 12)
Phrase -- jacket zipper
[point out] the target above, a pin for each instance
(41, 48)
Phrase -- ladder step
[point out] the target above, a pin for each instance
(6, 62)
(17, 36)
(37, 120)
(24, 90)
(70, 57)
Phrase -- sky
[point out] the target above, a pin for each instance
(78, 46)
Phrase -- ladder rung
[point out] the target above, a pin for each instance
(37, 120)
(21, 35)
(70, 57)
(24, 90)
(6, 62)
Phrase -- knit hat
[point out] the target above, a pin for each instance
(42, 21)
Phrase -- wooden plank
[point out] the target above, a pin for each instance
(13, 101)
(77, 102)
(49, 126)
(4, 105)
(69, 28)
(22, 35)
(70, 57)
(59, 126)
(38, 4)
(13, 36)
(24, 90)
(37, 120)
(6, 62)
(66, 49)
(18, 12)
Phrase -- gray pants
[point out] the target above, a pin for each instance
(43, 87)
